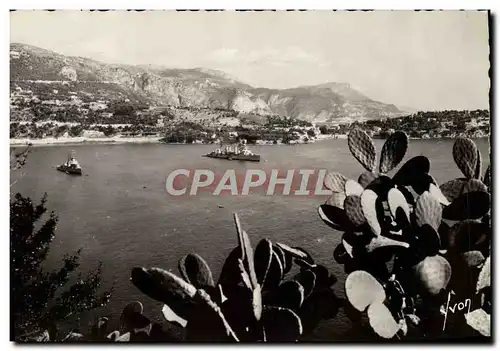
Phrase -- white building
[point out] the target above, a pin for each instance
(96, 106)
(160, 122)
(92, 134)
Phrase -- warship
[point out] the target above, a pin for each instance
(238, 152)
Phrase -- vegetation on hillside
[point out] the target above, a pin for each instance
(431, 124)
(185, 87)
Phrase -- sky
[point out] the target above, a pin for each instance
(427, 60)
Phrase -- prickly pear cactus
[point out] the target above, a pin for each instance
(362, 148)
(253, 299)
(406, 238)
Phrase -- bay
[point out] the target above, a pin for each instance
(119, 212)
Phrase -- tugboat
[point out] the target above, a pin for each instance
(238, 152)
(71, 166)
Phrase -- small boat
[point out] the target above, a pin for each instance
(234, 153)
(71, 166)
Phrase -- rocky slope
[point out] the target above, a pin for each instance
(197, 87)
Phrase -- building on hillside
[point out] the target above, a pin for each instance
(75, 100)
(15, 54)
(160, 122)
(92, 134)
(96, 106)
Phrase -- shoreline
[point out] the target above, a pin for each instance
(83, 141)
(119, 140)
(155, 140)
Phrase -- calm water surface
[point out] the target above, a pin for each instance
(120, 214)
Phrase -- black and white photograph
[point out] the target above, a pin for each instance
(250, 176)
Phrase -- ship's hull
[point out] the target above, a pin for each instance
(251, 158)
(69, 170)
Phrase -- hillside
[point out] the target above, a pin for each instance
(198, 87)
(325, 103)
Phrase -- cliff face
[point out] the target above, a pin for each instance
(198, 87)
(326, 103)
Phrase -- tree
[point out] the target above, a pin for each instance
(60, 130)
(37, 302)
(75, 131)
(14, 129)
(323, 129)
(109, 131)
(18, 160)
(311, 133)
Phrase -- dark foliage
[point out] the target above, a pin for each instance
(253, 299)
(40, 299)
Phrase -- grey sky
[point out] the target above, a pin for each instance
(426, 60)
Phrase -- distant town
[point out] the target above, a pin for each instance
(54, 111)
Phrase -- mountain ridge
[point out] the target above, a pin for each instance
(199, 87)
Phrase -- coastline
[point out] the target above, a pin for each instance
(149, 140)
(114, 140)
(82, 141)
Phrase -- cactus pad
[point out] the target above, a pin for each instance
(393, 151)
(465, 155)
(362, 148)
